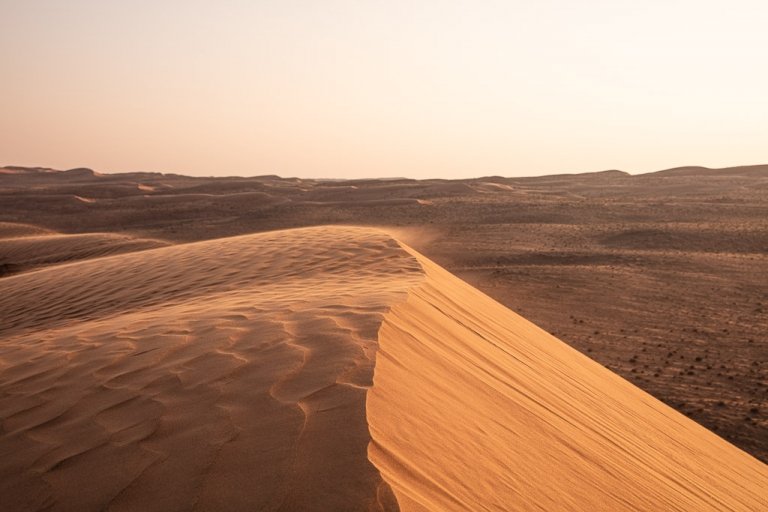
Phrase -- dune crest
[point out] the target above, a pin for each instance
(475, 408)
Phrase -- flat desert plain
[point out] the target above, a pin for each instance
(266, 343)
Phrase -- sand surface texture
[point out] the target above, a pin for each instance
(475, 408)
(324, 369)
(223, 375)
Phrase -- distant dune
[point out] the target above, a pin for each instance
(20, 230)
(328, 369)
(744, 170)
(23, 247)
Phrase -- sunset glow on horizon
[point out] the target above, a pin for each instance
(351, 89)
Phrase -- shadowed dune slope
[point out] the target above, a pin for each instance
(475, 408)
(221, 375)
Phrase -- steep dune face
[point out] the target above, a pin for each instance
(220, 375)
(475, 408)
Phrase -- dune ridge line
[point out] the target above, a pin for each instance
(475, 408)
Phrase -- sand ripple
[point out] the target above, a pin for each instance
(223, 375)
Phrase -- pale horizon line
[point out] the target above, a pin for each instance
(392, 177)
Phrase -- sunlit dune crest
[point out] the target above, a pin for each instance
(475, 408)
(328, 368)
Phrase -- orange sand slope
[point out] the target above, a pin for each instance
(236, 374)
(475, 408)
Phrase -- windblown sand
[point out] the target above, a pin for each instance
(324, 369)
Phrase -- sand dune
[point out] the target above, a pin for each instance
(221, 375)
(475, 408)
(242, 374)
(18, 230)
(23, 247)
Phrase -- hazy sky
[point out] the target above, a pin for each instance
(383, 88)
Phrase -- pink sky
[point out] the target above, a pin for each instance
(383, 88)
